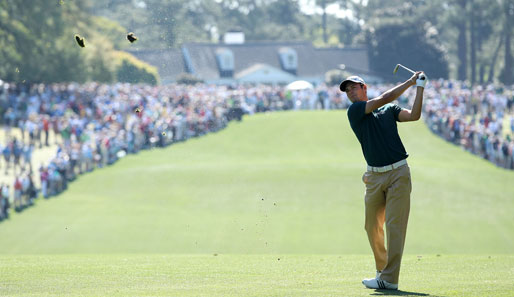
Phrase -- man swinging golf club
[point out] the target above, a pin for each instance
(387, 179)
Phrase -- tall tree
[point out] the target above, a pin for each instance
(324, 20)
(41, 35)
(492, 65)
(507, 75)
(473, 42)
(395, 33)
(462, 42)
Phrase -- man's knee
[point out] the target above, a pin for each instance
(372, 227)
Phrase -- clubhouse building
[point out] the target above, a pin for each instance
(234, 61)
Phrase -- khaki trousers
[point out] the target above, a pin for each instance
(387, 200)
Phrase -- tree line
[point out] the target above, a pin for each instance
(37, 44)
(467, 40)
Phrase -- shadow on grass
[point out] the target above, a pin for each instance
(399, 293)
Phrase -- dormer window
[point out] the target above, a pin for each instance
(288, 59)
(225, 59)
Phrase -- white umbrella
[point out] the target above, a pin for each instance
(299, 85)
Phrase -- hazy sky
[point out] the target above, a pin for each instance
(309, 7)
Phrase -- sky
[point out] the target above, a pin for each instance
(309, 7)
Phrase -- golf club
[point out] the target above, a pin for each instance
(408, 69)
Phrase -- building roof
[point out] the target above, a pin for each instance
(169, 62)
(311, 62)
(200, 59)
(262, 73)
(354, 59)
(203, 56)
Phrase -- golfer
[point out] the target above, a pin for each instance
(387, 179)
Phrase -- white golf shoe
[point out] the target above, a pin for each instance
(377, 283)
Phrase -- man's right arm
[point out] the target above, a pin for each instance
(390, 95)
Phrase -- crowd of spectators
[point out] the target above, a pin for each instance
(97, 124)
(480, 119)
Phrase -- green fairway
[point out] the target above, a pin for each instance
(248, 275)
(275, 185)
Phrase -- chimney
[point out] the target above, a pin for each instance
(234, 37)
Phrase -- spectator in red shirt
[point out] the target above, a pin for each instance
(46, 128)
(17, 194)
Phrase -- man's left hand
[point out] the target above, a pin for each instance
(422, 80)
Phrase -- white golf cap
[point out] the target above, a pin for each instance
(349, 79)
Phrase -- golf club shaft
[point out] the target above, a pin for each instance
(413, 72)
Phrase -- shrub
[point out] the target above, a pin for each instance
(335, 77)
(188, 79)
(130, 69)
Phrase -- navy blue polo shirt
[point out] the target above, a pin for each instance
(377, 133)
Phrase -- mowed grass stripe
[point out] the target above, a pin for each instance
(249, 275)
(275, 183)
